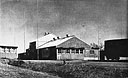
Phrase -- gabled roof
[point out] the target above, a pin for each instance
(4, 46)
(55, 42)
(47, 37)
(66, 42)
(44, 39)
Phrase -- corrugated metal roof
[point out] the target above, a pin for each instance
(44, 39)
(47, 37)
(55, 42)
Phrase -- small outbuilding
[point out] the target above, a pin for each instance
(8, 51)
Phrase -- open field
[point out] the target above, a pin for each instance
(8, 71)
(79, 69)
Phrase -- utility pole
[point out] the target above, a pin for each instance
(127, 19)
(0, 22)
(98, 35)
(98, 42)
(24, 31)
(37, 32)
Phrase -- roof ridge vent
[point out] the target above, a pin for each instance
(58, 37)
(67, 35)
(54, 39)
(46, 33)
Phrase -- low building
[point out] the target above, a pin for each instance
(56, 48)
(92, 54)
(69, 47)
(8, 51)
(22, 56)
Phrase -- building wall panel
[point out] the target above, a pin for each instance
(8, 55)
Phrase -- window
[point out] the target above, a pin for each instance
(81, 51)
(11, 50)
(59, 50)
(6, 50)
(77, 50)
(0, 49)
(73, 50)
(68, 50)
(64, 51)
(92, 52)
(3, 50)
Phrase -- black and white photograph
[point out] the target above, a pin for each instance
(63, 38)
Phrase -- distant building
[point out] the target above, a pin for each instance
(8, 51)
(92, 54)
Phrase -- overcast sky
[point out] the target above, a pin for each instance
(82, 18)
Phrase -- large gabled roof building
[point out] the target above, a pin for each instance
(69, 47)
(51, 47)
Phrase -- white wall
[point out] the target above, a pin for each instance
(88, 56)
(8, 55)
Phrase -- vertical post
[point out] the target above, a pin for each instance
(16, 53)
(70, 53)
(37, 32)
(98, 34)
(98, 41)
(0, 23)
(57, 54)
(24, 31)
(79, 51)
(127, 18)
(5, 52)
(83, 51)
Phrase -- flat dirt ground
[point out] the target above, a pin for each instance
(7, 71)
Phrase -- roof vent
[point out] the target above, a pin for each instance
(54, 39)
(67, 35)
(58, 37)
(46, 33)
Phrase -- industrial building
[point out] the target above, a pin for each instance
(31, 52)
(69, 47)
(51, 47)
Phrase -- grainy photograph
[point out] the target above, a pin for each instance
(63, 38)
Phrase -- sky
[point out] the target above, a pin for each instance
(89, 20)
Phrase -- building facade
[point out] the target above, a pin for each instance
(8, 52)
(69, 47)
